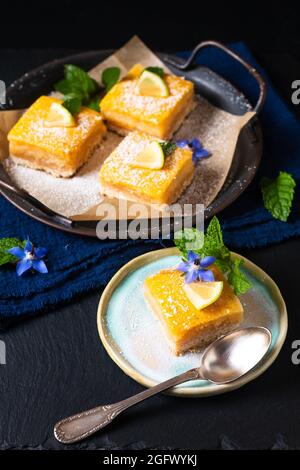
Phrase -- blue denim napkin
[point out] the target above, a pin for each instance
(246, 223)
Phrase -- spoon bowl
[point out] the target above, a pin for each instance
(225, 360)
(235, 354)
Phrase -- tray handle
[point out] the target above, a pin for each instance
(35, 203)
(255, 74)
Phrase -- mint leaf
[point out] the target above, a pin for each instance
(65, 87)
(5, 245)
(237, 278)
(189, 239)
(72, 103)
(77, 87)
(157, 70)
(80, 80)
(212, 244)
(110, 77)
(94, 104)
(214, 234)
(278, 195)
(168, 147)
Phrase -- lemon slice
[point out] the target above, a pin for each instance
(203, 294)
(135, 72)
(152, 157)
(151, 84)
(59, 116)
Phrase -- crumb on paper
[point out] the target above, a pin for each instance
(217, 130)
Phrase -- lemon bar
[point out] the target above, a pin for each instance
(187, 328)
(126, 109)
(120, 178)
(57, 150)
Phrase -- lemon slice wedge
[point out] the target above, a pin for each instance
(135, 72)
(150, 84)
(59, 116)
(152, 157)
(203, 294)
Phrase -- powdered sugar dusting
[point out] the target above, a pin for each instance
(217, 130)
(126, 98)
(136, 335)
(65, 196)
(31, 128)
(118, 168)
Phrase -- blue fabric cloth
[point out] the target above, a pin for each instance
(77, 264)
(246, 223)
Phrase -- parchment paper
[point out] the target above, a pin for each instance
(79, 197)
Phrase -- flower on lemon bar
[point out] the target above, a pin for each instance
(30, 258)
(195, 268)
(196, 146)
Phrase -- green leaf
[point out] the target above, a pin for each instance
(77, 87)
(212, 244)
(278, 195)
(110, 77)
(157, 70)
(168, 147)
(72, 103)
(238, 279)
(80, 80)
(189, 239)
(94, 104)
(214, 232)
(5, 245)
(65, 87)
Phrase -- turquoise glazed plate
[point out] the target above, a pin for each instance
(134, 339)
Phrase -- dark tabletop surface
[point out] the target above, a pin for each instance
(56, 365)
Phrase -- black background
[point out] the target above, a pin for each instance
(164, 25)
(271, 30)
(55, 363)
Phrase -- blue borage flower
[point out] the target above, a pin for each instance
(199, 151)
(30, 258)
(196, 268)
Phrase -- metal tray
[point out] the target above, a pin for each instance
(208, 84)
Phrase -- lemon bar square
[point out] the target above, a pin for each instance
(185, 327)
(120, 178)
(126, 109)
(57, 150)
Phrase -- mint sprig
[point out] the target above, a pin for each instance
(110, 77)
(72, 103)
(168, 147)
(95, 104)
(78, 89)
(212, 244)
(237, 278)
(278, 195)
(189, 239)
(157, 70)
(5, 245)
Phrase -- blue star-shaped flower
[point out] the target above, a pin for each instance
(29, 257)
(199, 151)
(196, 268)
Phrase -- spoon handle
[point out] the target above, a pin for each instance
(79, 426)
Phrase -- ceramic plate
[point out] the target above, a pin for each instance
(134, 339)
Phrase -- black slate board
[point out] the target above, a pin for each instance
(56, 366)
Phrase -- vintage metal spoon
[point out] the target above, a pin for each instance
(224, 361)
